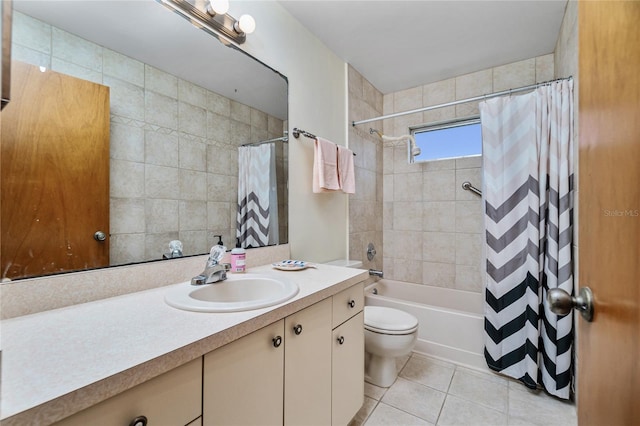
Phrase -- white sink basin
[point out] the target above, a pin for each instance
(237, 293)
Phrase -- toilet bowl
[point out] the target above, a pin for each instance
(388, 334)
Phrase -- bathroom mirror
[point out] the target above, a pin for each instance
(180, 103)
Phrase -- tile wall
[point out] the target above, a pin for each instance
(365, 206)
(432, 228)
(173, 145)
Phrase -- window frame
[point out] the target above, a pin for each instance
(442, 125)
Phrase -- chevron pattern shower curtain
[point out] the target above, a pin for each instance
(528, 198)
(257, 218)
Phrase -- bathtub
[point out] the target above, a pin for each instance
(451, 322)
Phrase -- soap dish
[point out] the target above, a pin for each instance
(292, 265)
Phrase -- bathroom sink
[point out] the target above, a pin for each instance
(237, 293)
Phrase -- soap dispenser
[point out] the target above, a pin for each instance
(238, 258)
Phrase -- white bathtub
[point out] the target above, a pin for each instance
(450, 322)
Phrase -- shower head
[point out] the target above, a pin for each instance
(413, 148)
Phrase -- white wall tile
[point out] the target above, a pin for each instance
(76, 50)
(438, 274)
(161, 215)
(439, 185)
(193, 155)
(514, 75)
(161, 82)
(31, 33)
(126, 179)
(161, 149)
(123, 67)
(127, 143)
(127, 100)
(127, 216)
(193, 215)
(192, 119)
(193, 94)
(439, 247)
(439, 216)
(162, 182)
(160, 110)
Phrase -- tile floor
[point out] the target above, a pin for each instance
(429, 391)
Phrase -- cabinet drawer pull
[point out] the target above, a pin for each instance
(351, 303)
(297, 329)
(139, 421)
(277, 341)
(340, 339)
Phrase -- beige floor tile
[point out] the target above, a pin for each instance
(457, 411)
(538, 408)
(373, 391)
(429, 372)
(415, 399)
(480, 388)
(401, 362)
(364, 412)
(384, 415)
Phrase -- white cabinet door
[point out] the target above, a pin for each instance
(307, 375)
(243, 380)
(348, 370)
(174, 398)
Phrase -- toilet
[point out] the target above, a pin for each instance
(388, 334)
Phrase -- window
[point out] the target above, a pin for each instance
(460, 138)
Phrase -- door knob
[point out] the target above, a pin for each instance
(100, 236)
(561, 302)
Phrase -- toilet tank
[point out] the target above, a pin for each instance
(348, 263)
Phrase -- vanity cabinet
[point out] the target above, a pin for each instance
(173, 398)
(347, 370)
(243, 380)
(301, 370)
(307, 368)
(347, 354)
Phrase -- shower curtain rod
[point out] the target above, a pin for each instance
(284, 139)
(462, 101)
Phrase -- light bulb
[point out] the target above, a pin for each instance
(246, 24)
(218, 7)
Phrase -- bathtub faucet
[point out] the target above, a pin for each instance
(375, 273)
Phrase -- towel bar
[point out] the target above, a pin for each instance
(297, 132)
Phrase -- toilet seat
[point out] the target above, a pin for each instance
(383, 320)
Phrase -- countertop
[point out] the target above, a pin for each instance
(59, 362)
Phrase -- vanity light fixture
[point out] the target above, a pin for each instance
(214, 19)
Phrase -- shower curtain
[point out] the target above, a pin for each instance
(257, 218)
(528, 199)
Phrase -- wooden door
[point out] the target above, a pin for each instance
(55, 174)
(608, 355)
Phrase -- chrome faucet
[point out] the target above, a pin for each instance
(375, 273)
(214, 271)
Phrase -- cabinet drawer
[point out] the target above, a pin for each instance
(173, 398)
(347, 303)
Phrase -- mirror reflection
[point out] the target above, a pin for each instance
(129, 129)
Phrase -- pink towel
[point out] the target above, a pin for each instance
(325, 166)
(346, 173)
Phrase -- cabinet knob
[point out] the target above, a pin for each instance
(297, 329)
(340, 340)
(351, 303)
(139, 421)
(277, 341)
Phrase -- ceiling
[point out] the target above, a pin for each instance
(397, 44)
